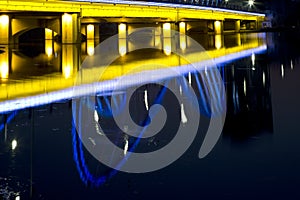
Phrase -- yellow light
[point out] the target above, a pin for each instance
(182, 27)
(218, 41)
(4, 70)
(90, 31)
(49, 48)
(4, 20)
(67, 18)
(182, 42)
(122, 30)
(218, 27)
(48, 34)
(122, 47)
(90, 47)
(4, 29)
(167, 46)
(67, 60)
(167, 30)
(67, 71)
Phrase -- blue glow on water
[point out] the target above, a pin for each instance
(8, 120)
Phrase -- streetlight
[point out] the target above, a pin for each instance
(251, 3)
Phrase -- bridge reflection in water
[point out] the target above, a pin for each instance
(24, 82)
(59, 58)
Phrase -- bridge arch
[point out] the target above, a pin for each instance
(21, 26)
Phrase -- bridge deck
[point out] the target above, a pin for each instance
(129, 9)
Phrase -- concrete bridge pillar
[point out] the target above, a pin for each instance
(70, 60)
(218, 27)
(237, 26)
(5, 25)
(219, 42)
(182, 37)
(4, 64)
(70, 28)
(167, 46)
(122, 30)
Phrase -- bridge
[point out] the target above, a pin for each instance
(70, 19)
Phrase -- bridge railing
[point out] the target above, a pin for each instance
(205, 3)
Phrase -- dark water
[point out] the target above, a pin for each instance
(256, 157)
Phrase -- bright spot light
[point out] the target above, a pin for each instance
(67, 71)
(264, 78)
(90, 48)
(49, 51)
(67, 18)
(282, 71)
(4, 70)
(251, 2)
(4, 20)
(17, 198)
(182, 27)
(122, 27)
(14, 144)
(245, 87)
(253, 59)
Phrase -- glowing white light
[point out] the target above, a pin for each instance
(96, 116)
(67, 18)
(4, 20)
(17, 198)
(264, 78)
(14, 144)
(282, 71)
(251, 2)
(125, 146)
(190, 78)
(253, 59)
(245, 87)
(292, 66)
(146, 99)
(180, 89)
(183, 116)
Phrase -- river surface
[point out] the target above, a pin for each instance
(50, 137)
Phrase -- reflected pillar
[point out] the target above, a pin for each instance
(70, 60)
(218, 41)
(4, 64)
(182, 38)
(48, 42)
(70, 28)
(238, 39)
(157, 37)
(4, 29)
(237, 26)
(167, 38)
(122, 39)
(218, 27)
(90, 35)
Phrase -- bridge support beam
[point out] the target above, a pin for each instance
(218, 27)
(167, 39)
(70, 60)
(70, 28)
(4, 65)
(237, 26)
(4, 29)
(182, 38)
(122, 30)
